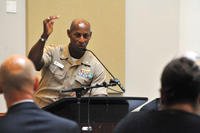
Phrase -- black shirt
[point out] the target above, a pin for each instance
(166, 121)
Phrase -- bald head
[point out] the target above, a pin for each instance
(79, 23)
(16, 72)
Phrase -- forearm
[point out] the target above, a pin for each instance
(36, 53)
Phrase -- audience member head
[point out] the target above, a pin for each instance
(17, 79)
(79, 34)
(180, 83)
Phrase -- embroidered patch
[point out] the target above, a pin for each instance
(85, 73)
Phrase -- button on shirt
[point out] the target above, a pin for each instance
(61, 71)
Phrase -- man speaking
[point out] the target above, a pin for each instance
(66, 66)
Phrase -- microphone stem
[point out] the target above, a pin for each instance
(101, 63)
(119, 84)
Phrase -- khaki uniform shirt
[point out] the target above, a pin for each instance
(61, 71)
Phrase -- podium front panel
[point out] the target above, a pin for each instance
(96, 111)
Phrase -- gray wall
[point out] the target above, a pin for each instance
(12, 34)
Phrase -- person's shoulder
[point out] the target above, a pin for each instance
(138, 114)
(91, 59)
(59, 119)
(89, 55)
(54, 46)
(173, 121)
(67, 124)
(61, 122)
(133, 116)
(51, 47)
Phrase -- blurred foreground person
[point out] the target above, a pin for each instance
(180, 102)
(17, 83)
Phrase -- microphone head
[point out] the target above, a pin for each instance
(116, 81)
(104, 84)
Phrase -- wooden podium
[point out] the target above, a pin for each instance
(98, 114)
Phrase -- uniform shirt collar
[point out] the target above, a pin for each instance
(65, 55)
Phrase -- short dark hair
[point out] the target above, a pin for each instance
(180, 82)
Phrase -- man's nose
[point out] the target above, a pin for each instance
(82, 39)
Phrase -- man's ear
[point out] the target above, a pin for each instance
(198, 105)
(68, 33)
(1, 87)
(36, 84)
(198, 100)
(90, 33)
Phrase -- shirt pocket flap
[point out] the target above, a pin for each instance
(59, 73)
(82, 81)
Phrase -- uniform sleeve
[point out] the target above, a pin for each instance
(99, 78)
(47, 55)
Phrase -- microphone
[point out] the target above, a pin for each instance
(114, 80)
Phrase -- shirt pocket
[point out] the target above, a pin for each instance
(82, 81)
(58, 73)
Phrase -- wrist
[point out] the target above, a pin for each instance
(43, 38)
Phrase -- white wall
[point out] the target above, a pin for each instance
(152, 39)
(190, 25)
(12, 34)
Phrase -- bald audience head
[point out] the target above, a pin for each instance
(17, 78)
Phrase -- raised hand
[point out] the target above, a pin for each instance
(48, 26)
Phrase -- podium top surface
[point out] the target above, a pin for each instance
(133, 102)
